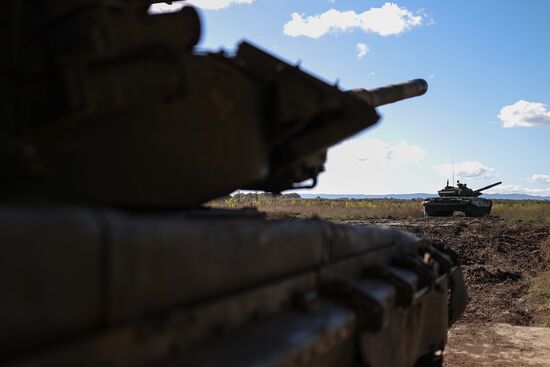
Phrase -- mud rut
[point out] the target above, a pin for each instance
(497, 258)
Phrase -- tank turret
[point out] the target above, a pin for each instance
(200, 127)
(302, 156)
(462, 189)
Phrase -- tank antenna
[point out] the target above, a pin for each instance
(453, 159)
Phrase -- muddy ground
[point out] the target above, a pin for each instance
(498, 257)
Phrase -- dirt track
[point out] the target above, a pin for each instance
(497, 345)
(497, 257)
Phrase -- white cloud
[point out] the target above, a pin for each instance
(166, 8)
(390, 19)
(524, 114)
(517, 189)
(362, 50)
(469, 169)
(538, 178)
(375, 152)
(204, 4)
(369, 165)
(372, 73)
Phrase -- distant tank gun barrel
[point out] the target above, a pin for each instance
(392, 93)
(488, 187)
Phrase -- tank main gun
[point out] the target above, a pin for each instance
(392, 93)
(478, 191)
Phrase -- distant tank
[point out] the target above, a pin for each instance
(459, 198)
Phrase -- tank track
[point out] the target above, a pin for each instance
(93, 287)
(445, 207)
(438, 213)
(472, 211)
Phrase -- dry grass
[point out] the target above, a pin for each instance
(333, 209)
(358, 209)
(539, 286)
(526, 210)
(545, 254)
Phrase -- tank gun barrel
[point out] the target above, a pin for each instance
(392, 93)
(488, 187)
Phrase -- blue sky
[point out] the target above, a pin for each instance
(487, 64)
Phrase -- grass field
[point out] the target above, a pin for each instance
(358, 209)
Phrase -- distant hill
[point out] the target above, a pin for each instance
(420, 195)
(515, 197)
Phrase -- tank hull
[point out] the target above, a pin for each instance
(221, 288)
(446, 206)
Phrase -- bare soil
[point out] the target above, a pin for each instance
(497, 345)
(498, 257)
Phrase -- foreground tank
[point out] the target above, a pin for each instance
(115, 131)
(459, 199)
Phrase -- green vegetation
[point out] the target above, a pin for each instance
(291, 205)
